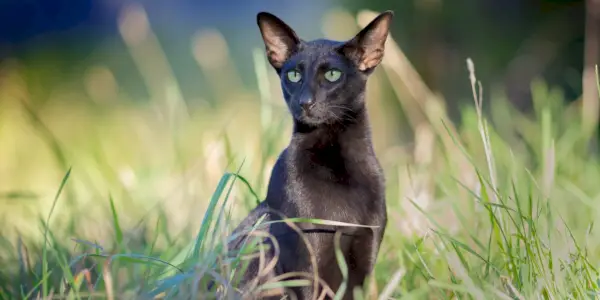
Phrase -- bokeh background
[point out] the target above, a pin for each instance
(136, 95)
(151, 101)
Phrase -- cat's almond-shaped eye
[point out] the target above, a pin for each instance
(294, 76)
(333, 75)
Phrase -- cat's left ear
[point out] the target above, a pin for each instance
(280, 40)
(367, 47)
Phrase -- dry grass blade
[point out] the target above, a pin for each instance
(108, 279)
(477, 91)
(326, 288)
(460, 271)
(87, 276)
(392, 285)
(513, 292)
(264, 269)
(290, 222)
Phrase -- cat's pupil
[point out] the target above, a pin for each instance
(294, 76)
(333, 75)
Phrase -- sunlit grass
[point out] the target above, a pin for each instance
(121, 200)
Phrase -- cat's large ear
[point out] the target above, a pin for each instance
(280, 40)
(367, 47)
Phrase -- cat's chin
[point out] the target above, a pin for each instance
(312, 122)
(313, 119)
(304, 118)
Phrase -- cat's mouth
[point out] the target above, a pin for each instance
(316, 119)
(309, 115)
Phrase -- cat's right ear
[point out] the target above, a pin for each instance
(280, 40)
(367, 47)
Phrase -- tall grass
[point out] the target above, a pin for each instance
(141, 202)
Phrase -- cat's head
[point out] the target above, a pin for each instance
(323, 81)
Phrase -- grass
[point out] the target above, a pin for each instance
(499, 206)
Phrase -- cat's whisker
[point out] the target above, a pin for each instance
(344, 116)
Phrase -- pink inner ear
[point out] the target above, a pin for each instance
(372, 43)
(276, 58)
(277, 50)
(371, 59)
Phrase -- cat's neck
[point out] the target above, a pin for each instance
(353, 132)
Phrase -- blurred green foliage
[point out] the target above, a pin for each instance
(481, 205)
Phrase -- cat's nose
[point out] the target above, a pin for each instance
(307, 103)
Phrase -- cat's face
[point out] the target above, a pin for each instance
(323, 81)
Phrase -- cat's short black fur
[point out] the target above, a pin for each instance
(329, 170)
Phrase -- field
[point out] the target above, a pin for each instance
(117, 199)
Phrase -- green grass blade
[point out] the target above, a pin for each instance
(45, 273)
(341, 260)
(116, 225)
(208, 215)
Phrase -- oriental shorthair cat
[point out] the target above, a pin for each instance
(329, 170)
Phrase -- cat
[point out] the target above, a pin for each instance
(329, 170)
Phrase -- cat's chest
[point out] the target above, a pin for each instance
(338, 190)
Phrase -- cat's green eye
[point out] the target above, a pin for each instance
(294, 76)
(333, 75)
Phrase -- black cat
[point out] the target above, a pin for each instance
(329, 170)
